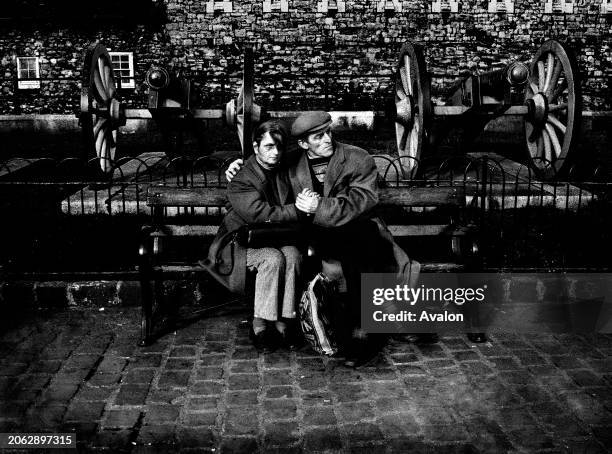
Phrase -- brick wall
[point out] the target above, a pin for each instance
(296, 49)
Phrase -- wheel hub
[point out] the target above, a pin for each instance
(537, 109)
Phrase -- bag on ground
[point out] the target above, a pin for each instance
(314, 311)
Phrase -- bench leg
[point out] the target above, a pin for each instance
(148, 295)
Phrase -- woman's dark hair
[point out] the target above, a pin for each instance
(276, 128)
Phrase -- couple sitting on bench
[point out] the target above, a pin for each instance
(330, 189)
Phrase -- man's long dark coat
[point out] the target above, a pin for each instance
(350, 193)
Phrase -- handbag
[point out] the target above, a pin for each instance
(314, 315)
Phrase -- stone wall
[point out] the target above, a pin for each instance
(303, 54)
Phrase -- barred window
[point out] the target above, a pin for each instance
(123, 68)
(28, 68)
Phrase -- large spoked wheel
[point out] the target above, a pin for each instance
(101, 112)
(412, 107)
(242, 112)
(554, 108)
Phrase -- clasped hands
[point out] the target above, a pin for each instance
(307, 201)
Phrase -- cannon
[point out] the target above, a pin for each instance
(169, 102)
(546, 93)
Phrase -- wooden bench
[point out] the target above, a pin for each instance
(182, 212)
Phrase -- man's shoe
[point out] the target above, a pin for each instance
(359, 352)
(477, 338)
(289, 339)
(261, 341)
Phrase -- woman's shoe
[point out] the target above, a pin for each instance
(261, 341)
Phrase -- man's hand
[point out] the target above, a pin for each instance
(233, 169)
(307, 201)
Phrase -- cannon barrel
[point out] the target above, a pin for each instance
(494, 83)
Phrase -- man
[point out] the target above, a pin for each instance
(337, 185)
(261, 194)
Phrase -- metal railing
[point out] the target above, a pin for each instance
(523, 221)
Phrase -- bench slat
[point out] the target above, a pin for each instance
(396, 230)
(412, 196)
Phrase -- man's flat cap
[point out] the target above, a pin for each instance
(310, 122)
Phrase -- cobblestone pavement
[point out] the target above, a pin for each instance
(204, 388)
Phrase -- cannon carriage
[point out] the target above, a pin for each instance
(545, 92)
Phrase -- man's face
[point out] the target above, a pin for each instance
(319, 144)
(267, 152)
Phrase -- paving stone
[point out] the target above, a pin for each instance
(238, 398)
(277, 360)
(209, 373)
(148, 360)
(174, 378)
(206, 388)
(395, 425)
(142, 376)
(121, 418)
(276, 377)
(349, 393)
(276, 392)
(166, 396)
(200, 419)
(132, 394)
(567, 362)
(243, 382)
(235, 445)
(156, 435)
(211, 360)
(180, 364)
(355, 411)
(91, 393)
(504, 363)
(280, 433)
(183, 351)
(245, 353)
(103, 379)
(584, 378)
(161, 414)
(243, 367)
(362, 432)
(280, 409)
(322, 439)
(241, 421)
(317, 398)
(319, 416)
(84, 411)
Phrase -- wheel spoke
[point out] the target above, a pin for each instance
(554, 79)
(540, 75)
(110, 85)
(533, 86)
(555, 140)
(404, 77)
(547, 150)
(98, 127)
(101, 66)
(549, 70)
(99, 142)
(557, 107)
(400, 93)
(414, 140)
(408, 73)
(560, 89)
(556, 123)
(100, 86)
(540, 147)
